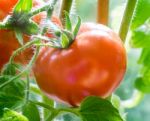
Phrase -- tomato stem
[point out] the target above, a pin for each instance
(27, 89)
(43, 8)
(66, 6)
(27, 45)
(103, 11)
(134, 100)
(125, 24)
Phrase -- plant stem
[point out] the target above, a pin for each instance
(27, 45)
(66, 6)
(103, 11)
(125, 24)
(27, 89)
(44, 8)
(134, 101)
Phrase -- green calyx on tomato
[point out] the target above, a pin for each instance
(20, 20)
(63, 37)
(94, 64)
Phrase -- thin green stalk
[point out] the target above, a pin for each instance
(125, 24)
(47, 7)
(27, 45)
(134, 100)
(66, 6)
(46, 106)
(27, 89)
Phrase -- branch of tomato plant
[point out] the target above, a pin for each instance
(134, 100)
(66, 6)
(27, 89)
(21, 49)
(125, 24)
(103, 11)
(47, 7)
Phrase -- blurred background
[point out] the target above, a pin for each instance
(86, 9)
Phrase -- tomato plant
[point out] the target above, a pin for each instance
(54, 65)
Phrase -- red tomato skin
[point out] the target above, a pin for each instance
(94, 64)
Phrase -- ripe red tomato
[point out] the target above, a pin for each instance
(94, 64)
(8, 41)
(6, 7)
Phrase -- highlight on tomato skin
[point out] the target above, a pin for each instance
(94, 64)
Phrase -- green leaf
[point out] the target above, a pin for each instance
(10, 115)
(9, 69)
(68, 24)
(13, 94)
(142, 85)
(97, 109)
(31, 28)
(145, 57)
(77, 27)
(64, 40)
(141, 36)
(23, 6)
(31, 112)
(19, 36)
(141, 14)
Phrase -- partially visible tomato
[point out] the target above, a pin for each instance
(6, 7)
(94, 64)
(8, 41)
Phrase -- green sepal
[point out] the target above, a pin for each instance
(77, 27)
(19, 36)
(23, 6)
(68, 24)
(31, 28)
(64, 40)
